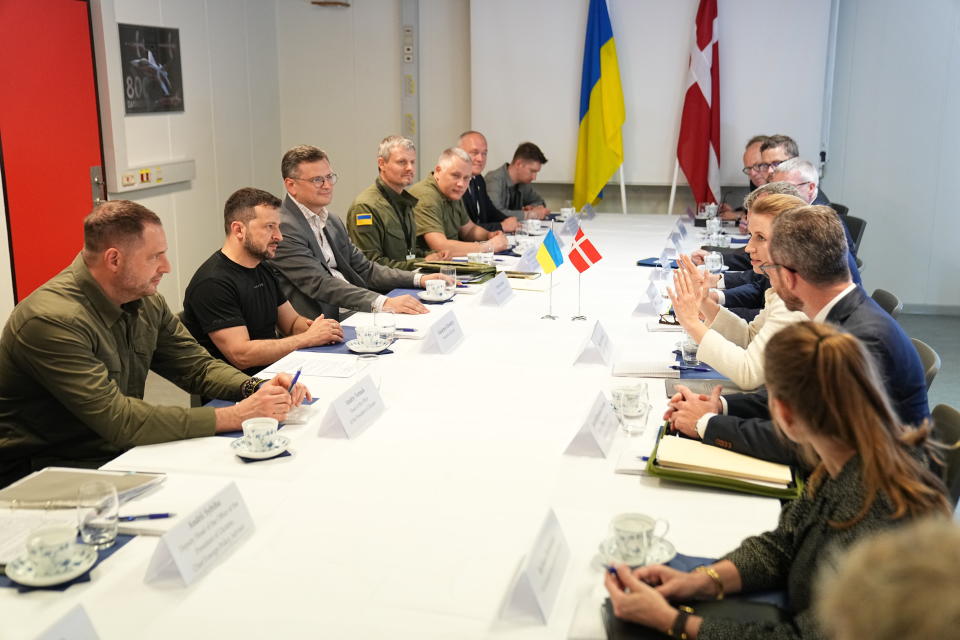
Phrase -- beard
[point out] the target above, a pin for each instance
(265, 252)
(792, 302)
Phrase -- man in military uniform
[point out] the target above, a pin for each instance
(380, 220)
(442, 220)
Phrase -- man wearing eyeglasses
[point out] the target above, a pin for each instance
(804, 176)
(319, 269)
(751, 169)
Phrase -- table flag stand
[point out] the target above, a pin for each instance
(579, 315)
(549, 315)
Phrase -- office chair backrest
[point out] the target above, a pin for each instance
(887, 301)
(946, 429)
(929, 358)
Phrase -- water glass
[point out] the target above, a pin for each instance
(449, 275)
(713, 226)
(714, 262)
(688, 350)
(632, 406)
(97, 509)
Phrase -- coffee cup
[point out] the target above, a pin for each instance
(259, 433)
(566, 212)
(51, 548)
(369, 336)
(435, 288)
(634, 534)
(531, 226)
(475, 257)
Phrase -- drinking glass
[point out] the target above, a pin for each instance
(688, 349)
(386, 324)
(449, 275)
(97, 508)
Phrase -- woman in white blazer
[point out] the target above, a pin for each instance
(728, 343)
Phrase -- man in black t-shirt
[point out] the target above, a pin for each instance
(233, 305)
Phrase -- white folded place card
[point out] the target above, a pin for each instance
(682, 229)
(204, 538)
(444, 335)
(537, 585)
(597, 431)
(597, 347)
(528, 261)
(353, 411)
(570, 227)
(497, 292)
(74, 625)
(675, 241)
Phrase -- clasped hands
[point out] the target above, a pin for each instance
(642, 595)
(686, 408)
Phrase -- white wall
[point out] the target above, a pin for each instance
(340, 82)
(230, 125)
(894, 140)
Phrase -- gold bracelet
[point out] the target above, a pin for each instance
(710, 571)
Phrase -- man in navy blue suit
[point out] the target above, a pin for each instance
(476, 200)
(809, 272)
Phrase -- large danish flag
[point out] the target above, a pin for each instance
(698, 150)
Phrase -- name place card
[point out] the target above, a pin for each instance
(654, 301)
(528, 261)
(497, 292)
(597, 347)
(353, 411)
(444, 335)
(74, 625)
(570, 227)
(537, 585)
(675, 241)
(204, 538)
(682, 229)
(597, 431)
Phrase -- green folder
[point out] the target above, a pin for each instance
(791, 492)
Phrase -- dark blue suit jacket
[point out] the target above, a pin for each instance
(747, 427)
(479, 206)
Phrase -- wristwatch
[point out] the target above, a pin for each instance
(250, 386)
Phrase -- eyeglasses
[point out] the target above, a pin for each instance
(319, 181)
(753, 169)
(668, 318)
(763, 167)
(765, 267)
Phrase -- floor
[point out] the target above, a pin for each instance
(943, 334)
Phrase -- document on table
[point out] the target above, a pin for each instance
(16, 525)
(326, 365)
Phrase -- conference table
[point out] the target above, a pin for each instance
(416, 527)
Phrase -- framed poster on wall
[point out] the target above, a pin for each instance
(150, 58)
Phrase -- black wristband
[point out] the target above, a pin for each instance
(679, 628)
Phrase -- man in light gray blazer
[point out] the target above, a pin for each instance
(319, 269)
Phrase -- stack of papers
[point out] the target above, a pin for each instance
(692, 455)
(646, 368)
(56, 487)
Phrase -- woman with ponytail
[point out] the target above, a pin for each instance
(869, 474)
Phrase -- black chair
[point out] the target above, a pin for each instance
(929, 358)
(841, 209)
(856, 226)
(946, 429)
(887, 301)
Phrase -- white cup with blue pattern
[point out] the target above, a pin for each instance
(51, 548)
(259, 433)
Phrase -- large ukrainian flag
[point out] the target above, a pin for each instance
(600, 144)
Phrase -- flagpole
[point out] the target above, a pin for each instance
(623, 192)
(579, 315)
(673, 187)
(550, 315)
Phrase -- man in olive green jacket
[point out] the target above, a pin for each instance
(74, 357)
(380, 220)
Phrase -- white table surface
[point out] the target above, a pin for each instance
(415, 528)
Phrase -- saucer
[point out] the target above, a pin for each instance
(661, 552)
(23, 571)
(426, 297)
(355, 346)
(239, 446)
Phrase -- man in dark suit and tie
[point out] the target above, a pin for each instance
(319, 269)
(476, 200)
(809, 273)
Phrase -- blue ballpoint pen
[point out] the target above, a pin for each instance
(146, 516)
(406, 329)
(296, 377)
(679, 367)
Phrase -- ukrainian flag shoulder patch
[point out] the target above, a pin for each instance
(364, 219)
